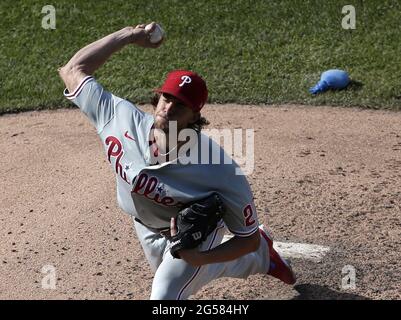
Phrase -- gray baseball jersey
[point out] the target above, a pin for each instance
(155, 193)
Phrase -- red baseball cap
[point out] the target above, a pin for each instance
(186, 86)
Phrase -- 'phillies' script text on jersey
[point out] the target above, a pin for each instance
(118, 152)
(145, 186)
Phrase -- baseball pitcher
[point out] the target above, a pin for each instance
(180, 209)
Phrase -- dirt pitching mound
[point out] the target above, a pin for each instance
(326, 176)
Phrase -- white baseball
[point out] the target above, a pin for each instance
(157, 34)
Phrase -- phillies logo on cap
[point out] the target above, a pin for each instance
(185, 79)
(193, 96)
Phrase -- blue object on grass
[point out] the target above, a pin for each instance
(331, 79)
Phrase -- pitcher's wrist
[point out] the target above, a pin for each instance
(128, 35)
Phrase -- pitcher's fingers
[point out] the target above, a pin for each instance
(151, 26)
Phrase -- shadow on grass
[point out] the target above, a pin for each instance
(316, 292)
(354, 85)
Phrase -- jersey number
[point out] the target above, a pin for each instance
(248, 214)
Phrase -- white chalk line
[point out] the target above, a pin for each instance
(292, 250)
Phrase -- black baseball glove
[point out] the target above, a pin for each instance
(196, 222)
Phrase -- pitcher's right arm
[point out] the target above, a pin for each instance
(90, 58)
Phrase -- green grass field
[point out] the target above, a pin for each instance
(254, 52)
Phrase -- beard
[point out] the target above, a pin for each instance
(161, 123)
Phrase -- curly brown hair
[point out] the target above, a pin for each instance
(197, 126)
